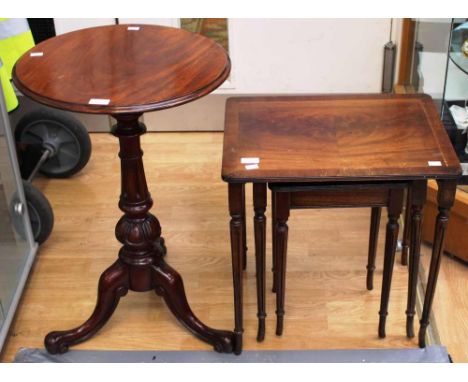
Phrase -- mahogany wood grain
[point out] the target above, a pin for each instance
(332, 140)
(280, 237)
(406, 230)
(395, 202)
(244, 233)
(260, 203)
(336, 137)
(141, 266)
(338, 198)
(273, 262)
(236, 197)
(445, 199)
(372, 252)
(416, 199)
(289, 196)
(152, 68)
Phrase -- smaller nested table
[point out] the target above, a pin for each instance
(125, 71)
(336, 140)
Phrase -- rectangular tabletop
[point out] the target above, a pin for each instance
(336, 137)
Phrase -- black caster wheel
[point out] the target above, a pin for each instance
(66, 139)
(40, 214)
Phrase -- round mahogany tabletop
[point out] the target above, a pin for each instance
(121, 69)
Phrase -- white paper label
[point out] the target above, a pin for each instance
(434, 163)
(251, 166)
(250, 160)
(99, 101)
(36, 54)
(133, 28)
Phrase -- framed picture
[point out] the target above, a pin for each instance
(216, 29)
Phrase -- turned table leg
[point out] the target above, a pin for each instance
(244, 231)
(273, 258)
(280, 238)
(140, 266)
(260, 202)
(445, 200)
(373, 240)
(394, 211)
(406, 229)
(416, 202)
(236, 202)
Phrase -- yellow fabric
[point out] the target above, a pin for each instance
(12, 48)
(9, 93)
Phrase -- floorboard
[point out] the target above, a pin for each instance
(327, 304)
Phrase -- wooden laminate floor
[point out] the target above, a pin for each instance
(327, 304)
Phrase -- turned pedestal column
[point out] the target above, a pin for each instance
(140, 266)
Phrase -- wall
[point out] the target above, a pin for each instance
(308, 55)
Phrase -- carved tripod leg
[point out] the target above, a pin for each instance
(406, 229)
(280, 238)
(235, 192)
(259, 198)
(445, 199)
(113, 284)
(168, 284)
(394, 211)
(373, 240)
(417, 200)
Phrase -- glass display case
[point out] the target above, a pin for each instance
(440, 68)
(17, 246)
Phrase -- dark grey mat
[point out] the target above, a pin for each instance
(429, 354)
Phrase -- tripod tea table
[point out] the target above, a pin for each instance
(124, 71)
